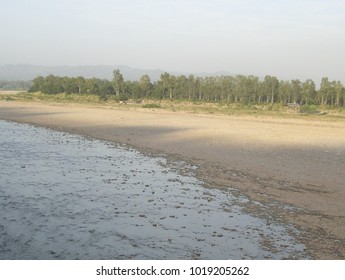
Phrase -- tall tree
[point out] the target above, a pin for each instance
(308, 92)
(93, 86)
(191, 87)
(169, 84)
(145, 85)
(118, 81)
(285, 92)
(271, 87)
(340, 93)
(324, 91)
(80, 81)
(296, 90)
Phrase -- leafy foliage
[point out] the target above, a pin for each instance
(228, 89)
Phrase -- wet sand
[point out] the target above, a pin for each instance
(291, 162)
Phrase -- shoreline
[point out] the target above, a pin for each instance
(288, 162)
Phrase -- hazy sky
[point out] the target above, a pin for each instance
(289, 39)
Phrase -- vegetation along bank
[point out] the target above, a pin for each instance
(232, 89)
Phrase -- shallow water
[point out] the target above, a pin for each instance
(63, 196)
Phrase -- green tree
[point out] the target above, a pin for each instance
(308, 92)
(181, 87)
(339, 93)
(70, 85)
(271, 88)
(80, 81)
(296, 90)
(52, 85)
(106, 87)
(133, 89)
(93, 86)
(191, 87)
(37, 84)
(118, 81)
(324, 91)
(145, 85)
(167, 85)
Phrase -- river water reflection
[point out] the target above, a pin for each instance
(63, 196)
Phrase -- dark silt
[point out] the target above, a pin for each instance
(63, 196)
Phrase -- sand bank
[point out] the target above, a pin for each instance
(291, 162)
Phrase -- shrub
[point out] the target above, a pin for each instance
(120, 97)
(309, 109)
(151, 105)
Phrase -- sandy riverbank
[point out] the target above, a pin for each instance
(291, 161)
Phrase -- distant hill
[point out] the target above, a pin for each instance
(27, 72)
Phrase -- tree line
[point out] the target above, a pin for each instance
(232, 89)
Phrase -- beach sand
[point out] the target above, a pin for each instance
(297, 163)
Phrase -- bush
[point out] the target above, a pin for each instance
(120, 97)
(151, 105)
(309, 109)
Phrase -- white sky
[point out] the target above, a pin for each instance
(289, 39)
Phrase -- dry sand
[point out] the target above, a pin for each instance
(292, 162)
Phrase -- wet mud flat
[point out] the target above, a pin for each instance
(63, 196)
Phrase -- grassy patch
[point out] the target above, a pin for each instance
(196, 107)
(59, 98)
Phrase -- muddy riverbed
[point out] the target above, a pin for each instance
(63, 196)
